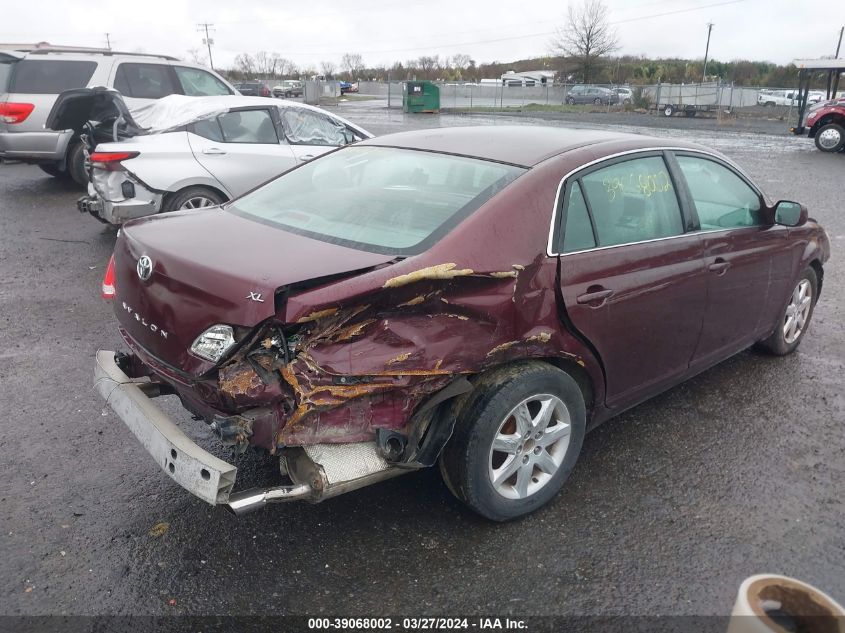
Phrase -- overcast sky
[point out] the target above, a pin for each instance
(383, 31)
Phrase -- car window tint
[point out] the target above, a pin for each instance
(578, 232)
(43, 76)
(208, 128)
(199, 83)
(633, 201)
(144, 81)
(722, 199)
(248, 126)
(303, 127)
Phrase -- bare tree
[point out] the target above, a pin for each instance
(587, 36)
(327, 68)
(461, 61)
(196, 56)
(352, 64)
(245, 63)
(428, 64)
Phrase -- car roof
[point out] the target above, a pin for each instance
(523, 145)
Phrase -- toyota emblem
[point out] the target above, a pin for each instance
(145, 267)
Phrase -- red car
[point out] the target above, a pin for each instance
(826, 123)
(474, 297)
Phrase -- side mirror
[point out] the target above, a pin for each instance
(787, 213)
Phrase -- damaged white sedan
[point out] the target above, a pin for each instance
(189, 152)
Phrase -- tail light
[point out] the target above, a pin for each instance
(15, 112)
(108, 290)
(111, 160)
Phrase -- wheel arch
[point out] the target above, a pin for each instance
(170, 194)
(832, 117)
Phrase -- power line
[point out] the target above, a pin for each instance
(204, 26)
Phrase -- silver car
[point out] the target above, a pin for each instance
(31, 80)
(187, 153)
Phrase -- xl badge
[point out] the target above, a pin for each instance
(144, 267)
(254, 296)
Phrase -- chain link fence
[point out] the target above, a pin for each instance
(664, 99)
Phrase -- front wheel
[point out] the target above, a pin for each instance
(53, 170)
(516, 440)
(570, 101)
(830, 137)
(795, 317)
(668, 111)
(193, 198)
(597, 101)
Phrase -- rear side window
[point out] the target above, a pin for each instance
(5, 72)
(633, 201)
(578, 234)
(48, 76)
(144, 81)
(208, 128)
(199, 83)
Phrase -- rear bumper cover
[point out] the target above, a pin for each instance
(35, 146)
(117, 212)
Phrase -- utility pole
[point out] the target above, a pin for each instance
(204, 26)
(108, 41)
(706, 51)
(838, 46)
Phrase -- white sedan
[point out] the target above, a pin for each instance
(199, 152)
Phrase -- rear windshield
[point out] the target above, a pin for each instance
(378, 199)
(48, 76)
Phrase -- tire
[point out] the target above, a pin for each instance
(193, 198)
(626, 102)
(76, 164)
(570, 101)
(53, 170)
(785, 340)
(769, 104)
(597, 101)
(668, 110)
(502, 485)
(830, 137)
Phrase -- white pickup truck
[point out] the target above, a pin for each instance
(785, 97)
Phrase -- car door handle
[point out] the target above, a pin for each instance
(596, 296)
(720, 266)
(213, 151)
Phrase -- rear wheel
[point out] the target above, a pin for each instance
(597, 101)
(53, 170)
(76, 164)
(516, 440)
(668, 111)
(795, 317)
(830, 137)
(570, 101)
(193, 198)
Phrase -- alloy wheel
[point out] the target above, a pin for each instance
(198, 202)
(797, 311)
(529, 446)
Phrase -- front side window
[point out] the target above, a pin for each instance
(378, 199)
(633, 201)
(144, 81)
(722, 199)
(199, 83)
(48, 76)
(248, 126)
(303, 127)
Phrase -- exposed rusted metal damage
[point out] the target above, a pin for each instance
(343, 371)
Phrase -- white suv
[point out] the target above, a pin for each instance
(30, 81)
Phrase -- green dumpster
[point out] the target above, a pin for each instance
(421, 96)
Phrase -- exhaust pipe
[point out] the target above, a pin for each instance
(319, 472)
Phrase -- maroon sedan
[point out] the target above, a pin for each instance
(474, 297)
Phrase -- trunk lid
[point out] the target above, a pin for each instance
(212, 267)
